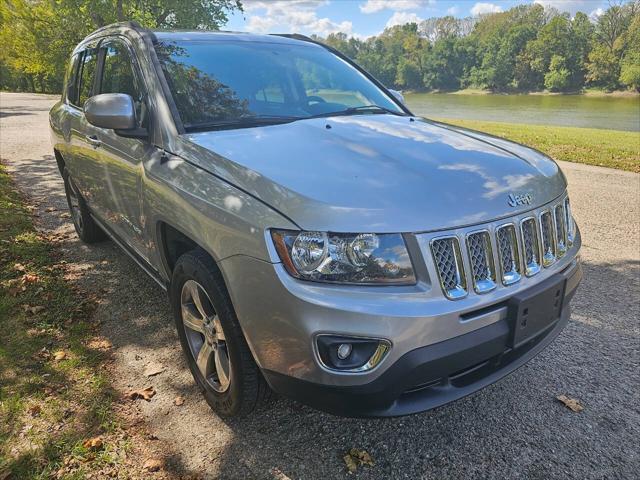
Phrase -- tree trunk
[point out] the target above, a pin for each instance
(119, 12)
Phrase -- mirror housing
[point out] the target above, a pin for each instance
(398, 95)
(111, 110)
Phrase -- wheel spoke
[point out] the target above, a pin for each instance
(222, 365)
(197, 299)
(218, 328)
(204, 359)
(191, 321)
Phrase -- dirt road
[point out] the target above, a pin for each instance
(512, 429)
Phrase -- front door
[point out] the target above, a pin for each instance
(121, 156)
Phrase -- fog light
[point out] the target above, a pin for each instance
(344, 350)
(351, 354)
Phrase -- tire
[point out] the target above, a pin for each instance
(232, 386)
(87, 229)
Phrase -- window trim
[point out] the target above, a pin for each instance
(72, 79)
(135, 69)
(80, 71)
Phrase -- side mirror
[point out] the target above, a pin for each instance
(111, 110)
(398, 95)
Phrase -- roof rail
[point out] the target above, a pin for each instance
(128, 24)
(295, 36)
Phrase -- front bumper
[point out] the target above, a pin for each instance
(433, 375)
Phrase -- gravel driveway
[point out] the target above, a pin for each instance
(512, 429)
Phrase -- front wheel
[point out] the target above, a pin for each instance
(216, 350)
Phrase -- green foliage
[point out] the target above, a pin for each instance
(557, 79)
(527, 48)
(37, 36)
(630, 66)
(603, 68)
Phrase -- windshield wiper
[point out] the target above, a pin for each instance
(359, 109)
(241, 122)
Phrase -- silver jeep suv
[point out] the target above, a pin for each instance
(314, 236)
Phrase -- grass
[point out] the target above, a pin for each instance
(604, 148)
(49, 406)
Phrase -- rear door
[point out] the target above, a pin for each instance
(121, 157)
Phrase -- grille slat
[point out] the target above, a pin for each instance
(570, 224)
(446, 252)
(548, 239)
(508, 254)
(561, 230)
(530, 246)
(481, 260)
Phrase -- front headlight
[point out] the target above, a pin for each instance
(365, 258)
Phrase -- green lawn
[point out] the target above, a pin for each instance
(605, 148)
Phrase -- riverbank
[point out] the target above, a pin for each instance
(588, 92)
(604, 148)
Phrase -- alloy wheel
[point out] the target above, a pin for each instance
(205, 336)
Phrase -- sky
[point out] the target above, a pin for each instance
(363, 18)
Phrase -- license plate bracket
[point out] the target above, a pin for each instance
(535, 309)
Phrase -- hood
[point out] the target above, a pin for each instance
(379, 173)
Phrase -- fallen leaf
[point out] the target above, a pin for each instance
(178, 401)
(19, 267)
(279, 474)
(571, 403)
(35, 410)
(65, 215)
(95, 443)
(14, 291)
(153, 465)
(355, 458)
(60, 355)
(145, 394)
(50, 209)
(34, 310)
(100, 344)
(29, 278)
(153, 369)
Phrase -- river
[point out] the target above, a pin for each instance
(615, 113)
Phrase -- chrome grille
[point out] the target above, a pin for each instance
(508, 254)
(530, 246)
(446, 253)
(548, 240)
(522, 247)
(561, 230)
(481, 259)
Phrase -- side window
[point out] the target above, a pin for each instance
(88, 71)
(71, 81)
(118, 76)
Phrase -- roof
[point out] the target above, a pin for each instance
(216, 36)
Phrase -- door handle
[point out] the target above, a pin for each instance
(93, 140)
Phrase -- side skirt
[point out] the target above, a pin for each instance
(142, 263)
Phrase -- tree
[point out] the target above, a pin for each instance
(603, 69)
(38, 35)
(630, 66)
(557, 79)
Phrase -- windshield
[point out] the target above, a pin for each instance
(227, 83)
